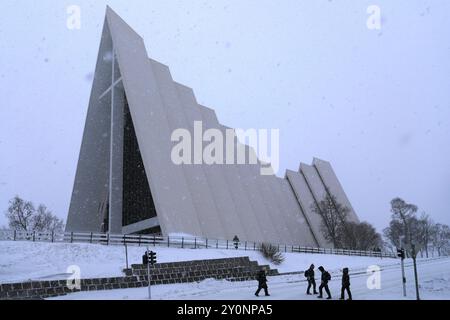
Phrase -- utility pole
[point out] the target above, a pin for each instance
(126, 254)
(413, 253)
(401, 254)
(150, 258)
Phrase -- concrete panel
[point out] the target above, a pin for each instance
(168, 184)
(272, 212)
(333, 185)
(250, 177)
(232, 177)
(200, 191)
(90, 190)
(294, 216)
(314, 182)
(217, 185)
(278, 212)
(307, 201)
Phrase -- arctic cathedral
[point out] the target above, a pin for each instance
(127, 183)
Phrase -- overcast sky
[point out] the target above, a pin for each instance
(375, 103)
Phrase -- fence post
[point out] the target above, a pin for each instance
(107, 240)
(139, 243)
(217, 244)
(227, 244)
(92, 236)
(245, 246)
(53, 235)
(168, 241)
(254, 246)
(71, 237)
(285, 248)
(154, 241)
(34, 236)
(15, 235)
(195, 243)
(182, 242)
(206, 243)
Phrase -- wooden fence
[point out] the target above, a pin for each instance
(175, 242)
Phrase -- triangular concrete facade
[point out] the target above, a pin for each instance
(213, 201)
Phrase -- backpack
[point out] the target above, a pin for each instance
(327, 276)
(306, 273)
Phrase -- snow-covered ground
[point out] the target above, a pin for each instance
(21, 261)
(434, 284)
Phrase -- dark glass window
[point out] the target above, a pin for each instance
(137, 198)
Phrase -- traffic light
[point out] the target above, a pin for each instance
(152, 257)
(145, 258)
(401, 253)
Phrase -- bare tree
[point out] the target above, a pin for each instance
(394, 232)
(360, 236)
(333, 216)
(20, 214)
(422, 231)
(440, 238)
(425, 228)
(45, 221)
(404, 212)
(23, 216)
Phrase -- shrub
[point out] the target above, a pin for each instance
(271, 253)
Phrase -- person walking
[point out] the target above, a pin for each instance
(324, 283)
(309, 274)
(262, 282)
(345, 285)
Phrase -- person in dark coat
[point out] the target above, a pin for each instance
(324, 283)
(309, 274)
(262, 282)
(346, 284)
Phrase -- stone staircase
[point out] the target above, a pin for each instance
(233, 269)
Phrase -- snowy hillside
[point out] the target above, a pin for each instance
(32, 260)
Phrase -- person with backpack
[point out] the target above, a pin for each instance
(345, 284)
(324, 283)
(262, 282)
(309, 274)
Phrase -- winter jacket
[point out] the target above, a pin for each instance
(309, 274)
(325, 277)
(345, 278)
(261, 277)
